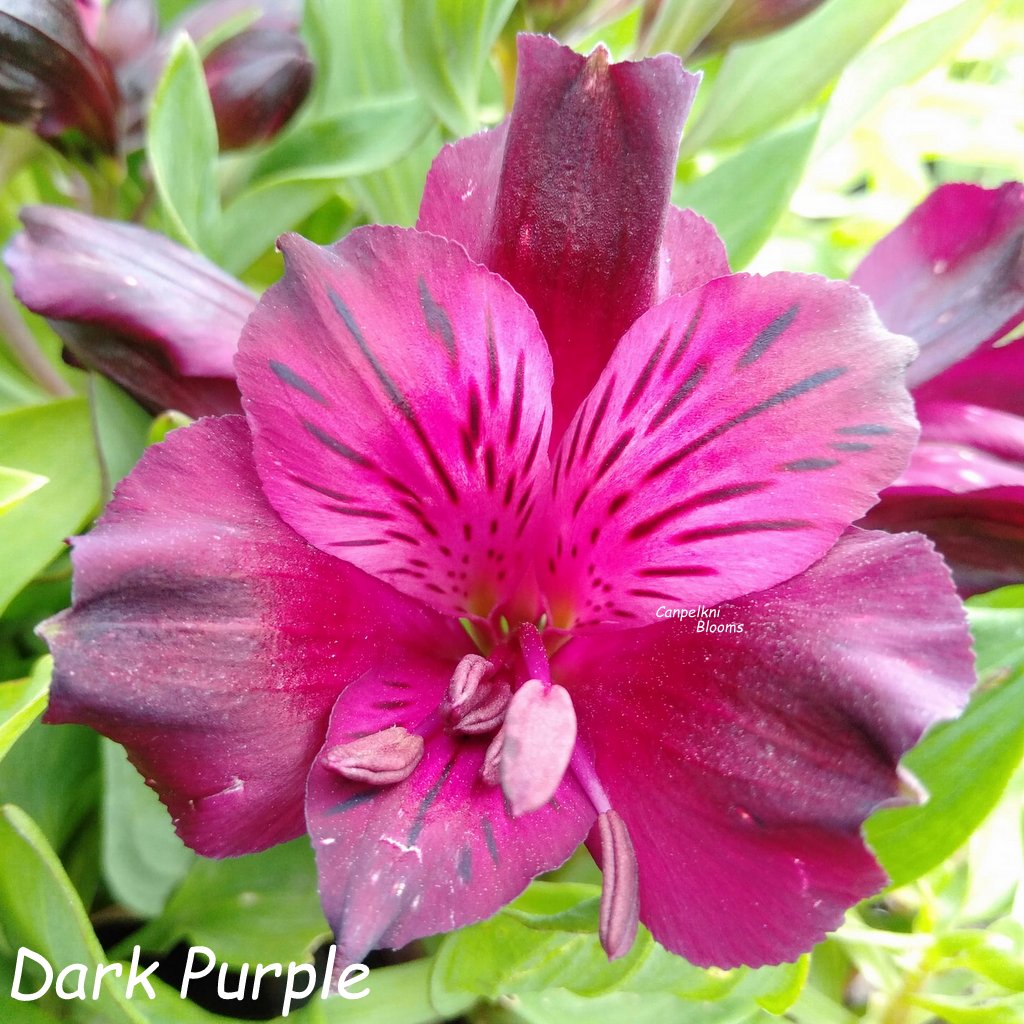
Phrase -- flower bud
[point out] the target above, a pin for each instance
(748, 19)
(161, 321)
(257, 80)
(52, 79)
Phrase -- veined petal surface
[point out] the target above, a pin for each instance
(399, 396)
(744, 763)
(212, 641)
(734, 435)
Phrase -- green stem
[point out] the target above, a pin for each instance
(25, 349)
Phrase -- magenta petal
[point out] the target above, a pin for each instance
(725, 448)
(989, 430)
(744, 764)
(691, 254)
(161, 321)
(437, 851)
(952, 274)
(990, 376)
(579, 202)
(399, 398)
(212, 641)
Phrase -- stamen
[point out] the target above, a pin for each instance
(490, 770)
(620, 887)
(475, 702)
(540, 733)
(381, 759)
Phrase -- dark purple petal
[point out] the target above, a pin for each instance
(212, 641)
(257, 80)
(580, 200)
(952, 274)
(996, 433)
(744, 764)
(400, 400)
(162, 321)
(979, 531)
(52, 77)
(734, 435)
(437, 851)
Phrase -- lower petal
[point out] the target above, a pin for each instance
(212, 641)
(437, 851)
(744, 763)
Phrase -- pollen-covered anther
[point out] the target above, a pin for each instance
(476, 700)
(381, 759)
(620, 893)
(540, 733)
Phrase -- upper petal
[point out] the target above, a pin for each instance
(735, 433)
(744, 763)
(133, 304)
(400, 401)
(580, 201)
(989, 376)
(437, 851)
(212, 641)
(952, 274)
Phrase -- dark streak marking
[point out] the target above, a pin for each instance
(768, 336)
(787, 394)
(598, 419)
(613, 455)
(516, 416)
(363, 513)
(335, 445)
(713, 497)
(492, 846)
(325, 491)
(805, 465)
(398, 684)
(427, 802)
(570, 457)
(473, 424)
(437, 320)
(288, 376)
(524, 499)
(367, 543)
(493, 376)
(534, 446)
(490, 470)
(395, 484)
(678, 397)
(353, 801)
(510, 490)
(676, 571)
(852, 446)
(869, 429)
(579, 501)
(617, 502)
(684, 343)
(464, 867)
(734, 529)
(640, 385)
(390, 705)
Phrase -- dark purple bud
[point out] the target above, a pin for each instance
(161, 321)
(51, 77)
(620, 886)
(749, 19)
(382, 758)
(257, 80)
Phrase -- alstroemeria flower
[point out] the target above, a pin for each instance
(160, 320)
(398, 608)
(952, 277)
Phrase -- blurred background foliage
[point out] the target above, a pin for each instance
(806, 145)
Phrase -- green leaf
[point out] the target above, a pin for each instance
(262, 908)
(762, 83)
(121, 427)
(875, 73)
(22, 702)
(515, 952)
(52, 441)
(181, 142)
(253, 220)
(679, 25)
(163, 424)
(366, 137)
(745, 195)
(16, 484)
(984, 745)
(398, 995)
(41, 910)
(45, 753)
(997, 622)
(966, 1009)
(447, 44)
(143, 859)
